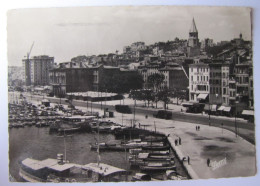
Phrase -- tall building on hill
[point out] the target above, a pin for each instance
(193, 48)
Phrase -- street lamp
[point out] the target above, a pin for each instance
(236, 128)
(60, 93)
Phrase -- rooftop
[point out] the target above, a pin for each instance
(103, 169)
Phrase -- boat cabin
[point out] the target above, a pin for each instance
(51, 170)
(103, 172)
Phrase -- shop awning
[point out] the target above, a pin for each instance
(213, 107)
(202, 96)
(206, 107)
(248, 112)
(221, 108)
(227, 109)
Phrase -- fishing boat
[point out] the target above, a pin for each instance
(156, 148)
(129, 132)
(104, 126)
(60, 170)
(71, 124)
(157, 167)
(109, 147)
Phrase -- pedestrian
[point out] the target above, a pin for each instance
(146, 116)
(208, 162)
(179, 141)
(188, 158)
(181, 110)
(176, 142)
(198, 127)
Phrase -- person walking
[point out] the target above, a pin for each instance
(198, 127)
(179, 141)
(176, 142)
(188, 158)
(208, 162)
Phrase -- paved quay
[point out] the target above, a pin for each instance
(230, 156)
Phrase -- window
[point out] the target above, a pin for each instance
(198, 78)
(224, 90)
(207, 78)
(191, 78)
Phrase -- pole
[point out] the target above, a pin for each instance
(134, 111)
(101, 100)
(209, 113)
(98, 146)
(236, 118)
(65, 150)
(91, 107)
(122, 119)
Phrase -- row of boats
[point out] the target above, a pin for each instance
(148, 153)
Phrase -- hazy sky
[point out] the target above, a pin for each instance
(68, 32)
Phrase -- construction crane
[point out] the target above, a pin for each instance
(27, 67)
(28, 53)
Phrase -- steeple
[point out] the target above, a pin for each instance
(193, 27)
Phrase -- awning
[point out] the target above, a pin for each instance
(221, 108)
(227, 109)
(213, 107)
(206, 107)
(202, 96)
(248, 112)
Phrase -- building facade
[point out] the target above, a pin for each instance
(219, 84)
(199, 86)
(36, 70)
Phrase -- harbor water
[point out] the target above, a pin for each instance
(37, 143)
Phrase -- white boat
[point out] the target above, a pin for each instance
(56, 170)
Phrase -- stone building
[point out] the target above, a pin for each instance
(193, 48)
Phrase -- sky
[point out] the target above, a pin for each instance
(68, 32)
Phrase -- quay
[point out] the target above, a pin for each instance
(209, 142)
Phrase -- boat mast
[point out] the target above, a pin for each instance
(98, 158)
(65, 150)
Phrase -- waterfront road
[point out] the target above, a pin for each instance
(244, 129)
(230, 155)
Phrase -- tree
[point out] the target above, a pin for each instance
(164, 96)
(155, 80)
(144, 95)
(179, 94)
